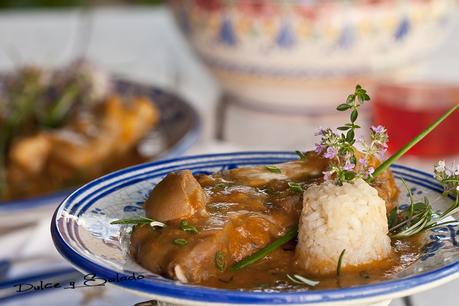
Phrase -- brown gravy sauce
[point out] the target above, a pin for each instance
(226, 194)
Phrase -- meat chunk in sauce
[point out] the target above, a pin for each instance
(247, 208)
(177, 196)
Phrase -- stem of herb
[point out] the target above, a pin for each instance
(291, 234)
(413, 142)
(180, 242)
(340, 261)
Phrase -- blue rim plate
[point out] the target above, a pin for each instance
(82, 233)
(177, 131)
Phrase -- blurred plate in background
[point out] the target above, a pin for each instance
(178, 129)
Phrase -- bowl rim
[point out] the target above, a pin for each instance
(177, 149)
(174, 291)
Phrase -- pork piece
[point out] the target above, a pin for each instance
(30, 153)
(116, 129)
(384, 183)
(243, 233)
(312, 166)
(177, 196)
(128, 123)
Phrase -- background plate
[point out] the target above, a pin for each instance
(178, 128)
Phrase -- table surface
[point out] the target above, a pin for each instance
(143, 44)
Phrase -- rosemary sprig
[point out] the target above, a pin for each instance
(413, 142)
(420, 217)
(265, 251)
(298, 279)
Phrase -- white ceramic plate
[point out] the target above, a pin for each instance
(83, 235)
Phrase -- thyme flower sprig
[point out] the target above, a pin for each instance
(448, 177)
(340, 147)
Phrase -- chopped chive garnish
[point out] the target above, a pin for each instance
(139, 221)
(186, 227)
(301, 155)
(220, 261)
(291, 234)
(340, 261)
(180, 241)
(295, 187)
(273, 169)
(413, 142)
(298, 279)
(219, 186)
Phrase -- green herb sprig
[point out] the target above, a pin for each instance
(180, 242)
(419, 217)
(298, 279)
(386, 164)
(295, 187)
(340, 262)
(220, 261)
(291, 234)
(139, 221)
(186, 227)
(273, 169)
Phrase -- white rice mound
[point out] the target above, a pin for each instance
(334, 218)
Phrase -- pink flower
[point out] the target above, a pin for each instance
(370, 170)
(363, 162)
(331, 153)
(378, 129)
(327, 175)
(348, 166)
(319, 148)
(321, 132)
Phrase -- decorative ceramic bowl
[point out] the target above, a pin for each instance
(83, 235)
(298, 52)
(178, 129)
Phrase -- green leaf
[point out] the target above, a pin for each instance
(291, 234)
(344, 128)
(220, 262)
(354, 115)
(340, 261)
(295, 187)
(353, 160)
(349, 175)
(273, 169)
(350, 99)
(343, 107)
(180, 242)
(186, 227)
(392, 219)
(350, 135)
